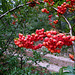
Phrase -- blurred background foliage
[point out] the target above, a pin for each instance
(26, 21)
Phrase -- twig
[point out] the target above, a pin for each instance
(11, 10)
(68, 24)
(1, 16)
(70, 27)
(66, 21)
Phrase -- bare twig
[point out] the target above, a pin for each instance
(68, 24)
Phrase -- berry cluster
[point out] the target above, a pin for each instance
(28, 42)
(16, 18)
(71, 57)
(33, 3)
(45, 10)
(13, 22)
(50, 18)
(52, 41)
(72, 2)
(71, 5)
(50, 2)
(62, 9)
(55, 21)
(14, 15)
(52, 25)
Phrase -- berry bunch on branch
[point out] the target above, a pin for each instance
(51, 40)
(32, 3)
(69, 5)
(54, 41)
(28, 42)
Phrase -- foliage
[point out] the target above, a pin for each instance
(24, 19)
(69, 71)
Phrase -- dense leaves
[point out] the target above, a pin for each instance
(19, 16)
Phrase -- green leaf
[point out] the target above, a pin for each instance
(68, 73)
(61, 70)
(69, 68)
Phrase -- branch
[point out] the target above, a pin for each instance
(66, 21)
(70, 27)
(68, 24)
(73, 45)
(15, 8)
(11, 10)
